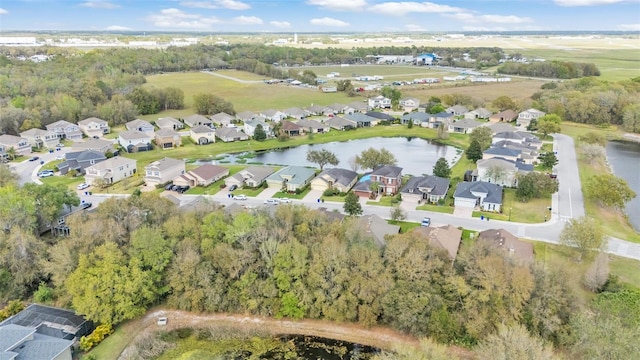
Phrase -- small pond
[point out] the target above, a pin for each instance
(624, 158)
(416, 156)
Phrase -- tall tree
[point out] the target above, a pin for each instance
(7, 176)
(609, 190)
(373, 158)
(549, 124)
(593, 152)
(548, 160)
(393, 94)
(259, 134)
(474, 151)
(441, 168)
(631, 118)
(502, 103)
(352, 204)
(483, 135)
(322, 158)
(514, 342)
(584, 234)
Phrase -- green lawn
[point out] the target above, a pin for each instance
(436, 208)
(404, 225)
(300, 196)
(248, 191)
(333, 198)
(70, 182)
(531, 212)
(384, 201)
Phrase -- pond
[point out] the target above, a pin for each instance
(416, 156)
(624, 158)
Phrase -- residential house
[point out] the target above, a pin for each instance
(19, 144)
(134, 141)
(65, 130)
(100, 145)
(389, 177)
(142, 126)
(485, 195)
(479, 113)
(501, 152)
(430, 189)
(204, 175)
(251, 125)
(335, 178)
(313, 126)
(57, 322)
(111, 170)
(340, 123)
(291, 128)
(410, 104)
(291, 178)
(446, 237)
(273, 115)
(229, 134)
(380, 116)
(457, 110)
(377, 228)
(362, 120)
(295, 113)
(251, 176)
(463, 126)
(39, 138)
(418, 118)
(435, 120)
(317, 110)
(94, 127)
(202, 135)
(80, 160)
(341, 108)
(222, 119)
(509, 243)
(500, 127)
(20, 342)
(245, 115)
(169, 123)
(525, 117)
(168, 139)
(518, 137)
(359, 106)
(503, 116)
(379, 102)
(197, 119)
(162, 171)
(501, 172)
(528, 154)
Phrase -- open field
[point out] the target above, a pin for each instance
(518, 89)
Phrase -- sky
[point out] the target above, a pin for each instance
(320, 15)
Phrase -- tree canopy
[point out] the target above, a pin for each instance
(374, 158)
(441, 168)
(322, 158)
(609, 190)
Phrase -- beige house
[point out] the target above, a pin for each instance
(94, 127)
(444, 237)
(169, 123)
(21, 145)
(509, 243)
(503, 116)
(162, 171)
(204, 175)
(410, 104)
(335, 178)
(39, 138)
(251, 176)
(202, 134)
(167, 139)
(110, 170)
(65, 130)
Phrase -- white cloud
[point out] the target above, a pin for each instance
(339, 5)
(117, 28)
(406, 7)
(483, 28)
(100, 5)
(281, 24)
(327, 21)
(629, 27)
(247, 20)
(587, 2)
(498, 19)
(414, 27)
(217, 4)
(3, 11)
(174, 18)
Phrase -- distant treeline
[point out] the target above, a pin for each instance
(550, 69)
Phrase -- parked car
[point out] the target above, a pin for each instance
(168, 187)
(85, 205)
(240, 197)
(233, 187)
(59, 145)
(60, 157)
(45, 173)
(34, 158)
(182, 189)
(83, 186)
(426, 222)
(285, 200)
(272, 201)
(175, 187)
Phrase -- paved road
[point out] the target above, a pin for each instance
(28, 169)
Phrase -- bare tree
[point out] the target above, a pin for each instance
(353, 163)
(597, 274)
(593, 152)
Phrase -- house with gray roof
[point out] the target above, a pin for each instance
(381, 116)
(197, 119)
(335, 178)
(481, 194)
(202, 135)
(65, 130)
(110, 171)
(273, 115)
(162, 171)
(501, 152)
(251, 176)
(169, 123)
(134, 141)
(39, 138)
(341, 108)
(479, 113)
(295, 113)
(94, 127)
(340, 123)
(518, 137)
(142, 126)
(318, 110)
(19, 342)
(463, 126)
(359, 106)
(245, 115)
(457, 110)
(499, 127)
(80, 160)
(101, 145)
(417, 117)
(291, 178)
(377, 228)
(435, 120)
(229, 134)
(361, 119)
(314, 126)
(525, 117)
(222, 119)
(501, 171)
(20, 144)
(428, 188)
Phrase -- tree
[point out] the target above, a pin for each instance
(352, 204)
(209, 104)
(322, 158)
(597, 273)
(631, 118)
(514, 342)
(503, 103)
(549, 124)
(442, 132)
(603, 336)
(441, 168)
(609, 190)
(259, 134)
(397, 213)
(372, 158)
(393, 94)
(593, 138)
(474, 152)
(584, 234)
(548, 160)
(8, 176)
(593, 152)
(535, 185)
(483, 135)
(410, 124)
(353, 163)
(145, 101)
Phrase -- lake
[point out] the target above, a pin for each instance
(624, 158)
(416, 156)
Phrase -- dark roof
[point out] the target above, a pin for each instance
(290, 126)
(84, 155)
(502, 151)
(36, 314)
(442, 115)
(359, 117)
(387, 171)
(416, 115)
(417, 184)
(524, 167)
(363, 186)
(466, 190)
(380, 115)
(501, 238)
(340, 176)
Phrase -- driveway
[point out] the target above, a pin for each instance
(313, 196)
(267, 193)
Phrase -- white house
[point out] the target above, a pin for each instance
(463, 126)
(94, 127)
(134, 141)
(457, 110)
(410, 104)
(222, 119)
(111, 170)
(142, 126)
(39, 138)
(162, 171)
(379, 102)
(197, 119)
(479, 113)
(21, 145)
(501, 171)
(65, 130)
(251, 125)
(273, 115)
(169, 123)
(202, 135)
(525, 117)
(231, 134)
(478, 193)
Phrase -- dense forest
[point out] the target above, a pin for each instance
(294, 262)
(550, 69)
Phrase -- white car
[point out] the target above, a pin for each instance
(83, 186)
(59, 145)
(285, 200)
(45, 173)
(272, 201)
(240, 197)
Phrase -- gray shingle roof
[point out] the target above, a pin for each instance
(387, 171)
(501, 151)
(338, 175)
(466, 190)
(420, 184)
(297, 174)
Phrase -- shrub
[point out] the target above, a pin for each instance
(93, 339)
(330, 192)
(12, 308)
(44, 294)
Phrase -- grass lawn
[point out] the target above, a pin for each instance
(384, 201)
(436, 208)
(531, 212)
(51, 165)
(248, 191)
(70, 182)
(124, 186)
(333, 198)
(517, 89)
(300, 196)
(404, 225)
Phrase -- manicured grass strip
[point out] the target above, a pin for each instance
(248, 191)
(300, 196)
(384, 201)
(404, 225)
(436, 208)
(333, 198)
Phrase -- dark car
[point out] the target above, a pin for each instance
(85, 205)
(175, 187)
(182, 189)
(34, 158)
(168, 187)
(233, 187)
